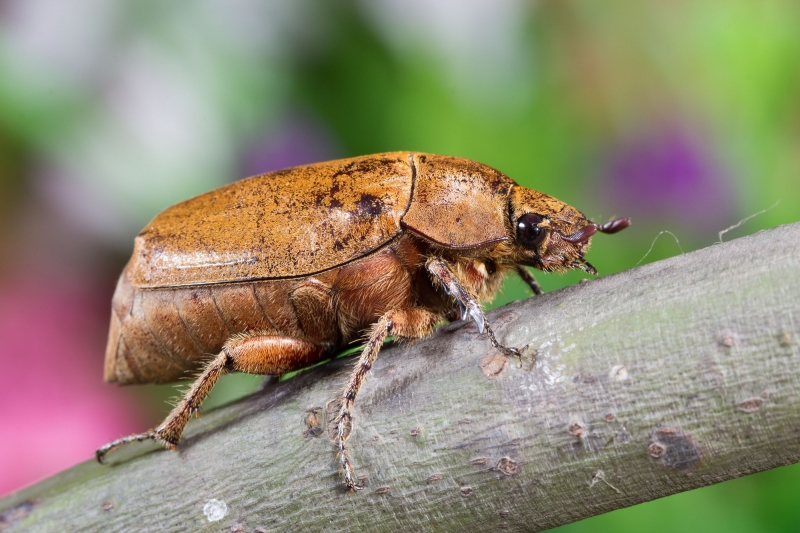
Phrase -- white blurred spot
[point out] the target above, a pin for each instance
(149, 109)
(618, 373)
(64, 42)
(215, 510)
(481, 41)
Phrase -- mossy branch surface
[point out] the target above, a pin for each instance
(657, 380)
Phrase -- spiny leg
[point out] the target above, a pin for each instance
(251, 353)
(413, 322)
(169, 432)
(528, 278)
(439, 269)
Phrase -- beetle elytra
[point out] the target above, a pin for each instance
(278, 271)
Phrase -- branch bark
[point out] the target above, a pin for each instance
(661, 379)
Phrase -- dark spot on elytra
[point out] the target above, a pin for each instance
(335, 203)
(282, 172)
(346, 239)
(337, 245)
(344, 172)
(370, 205)
(365, 166)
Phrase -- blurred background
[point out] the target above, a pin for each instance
(683, 115)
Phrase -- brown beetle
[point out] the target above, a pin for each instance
(278, 271)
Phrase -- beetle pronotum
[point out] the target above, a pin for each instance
(275, 272)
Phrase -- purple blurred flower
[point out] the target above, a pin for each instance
(670, 174)
(297, 140)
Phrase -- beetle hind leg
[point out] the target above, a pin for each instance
(252, 353)
(409, 323)
(101, 452)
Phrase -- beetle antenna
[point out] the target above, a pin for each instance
(582, 234)
(615, 225)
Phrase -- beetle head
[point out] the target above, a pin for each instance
(551, 235)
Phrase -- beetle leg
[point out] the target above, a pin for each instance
(413, 322)
(252, 353)
(467, 305)
(169, 432)
(462, 310)
(101, 452)
(528, 278)
(439, 269)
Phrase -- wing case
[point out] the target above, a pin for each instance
(288, 223)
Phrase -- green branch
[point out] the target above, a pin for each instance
(661, 379)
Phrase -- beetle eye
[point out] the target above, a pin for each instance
(529, 234)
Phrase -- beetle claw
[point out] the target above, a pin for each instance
(477, 316)
(462, 309)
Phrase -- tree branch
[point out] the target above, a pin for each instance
(661, 379)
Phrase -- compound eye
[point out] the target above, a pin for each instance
(529, 233)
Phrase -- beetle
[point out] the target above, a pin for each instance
(278, 271)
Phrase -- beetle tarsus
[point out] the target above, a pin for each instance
(100, 453)
(345, 420)
(509, 352)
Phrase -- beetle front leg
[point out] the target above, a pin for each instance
(411, 323)
(528, 278)
(470, 308)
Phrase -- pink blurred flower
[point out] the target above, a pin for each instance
(55, 408)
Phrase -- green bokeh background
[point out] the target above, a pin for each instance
(162, 100)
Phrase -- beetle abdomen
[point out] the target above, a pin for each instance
(161, 335)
